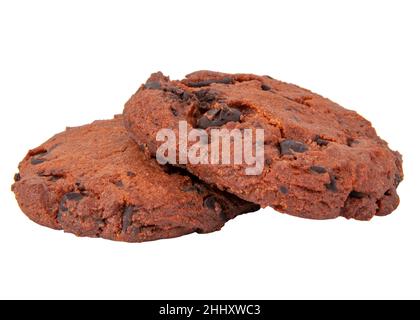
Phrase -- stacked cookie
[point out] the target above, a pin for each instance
(321, 161)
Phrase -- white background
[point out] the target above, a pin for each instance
(67, 63)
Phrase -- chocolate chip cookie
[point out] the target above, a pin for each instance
(95, 181)
(320, 160)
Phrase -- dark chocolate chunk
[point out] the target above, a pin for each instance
(213, 112)
(80, 187)
(351, 142)
(37, 158)
(210, 202)
(284, 190)
(206, 95)
(357, 195)
(71, 196)
(265, 87)
(332, 186)
(176, 91)
(318, 169)
(131, 174)
(287, 147)
(321, 142)
(55, 177)
(174, 112)
(204, 122)
(218, 117)
(119, 183)
(206, 83)
(17, 177)
(36, 161)
(127, 217)
(154, 85)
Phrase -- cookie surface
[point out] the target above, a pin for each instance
(321, 160)
(95, 181)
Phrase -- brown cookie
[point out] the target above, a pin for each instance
(94, 181)
(321, 160)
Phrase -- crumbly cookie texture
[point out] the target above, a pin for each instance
(321, 160)
(95, 181)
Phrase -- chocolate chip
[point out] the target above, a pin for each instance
(287, 147)
(318, 169)
(154, 85)
(284, 190)
(218, 117)
(174, 112)
(80, 187)
(357, 195)
(206, 95)
(225, 81)
(37, 159)
(71, 196)
(351, 142)
(332, 186)
(119, 183)
(176, 91)
(204, 122)
(321, 142)
(55, 177)
(131, 174)
(265, 87)
(17, 177)
(210, 202)
(127, 217)
(230, 114)
(206, 83)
